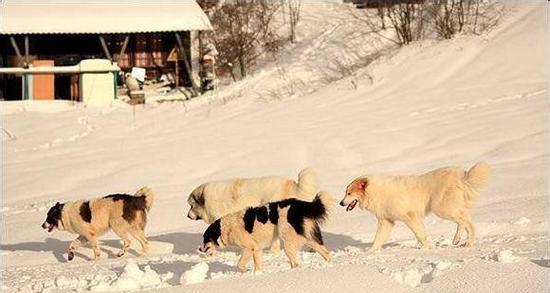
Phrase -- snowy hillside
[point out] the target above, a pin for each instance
(424, 106)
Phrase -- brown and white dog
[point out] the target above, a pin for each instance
(293, 221)
(448, 192)
(213, 200)
(123, 213)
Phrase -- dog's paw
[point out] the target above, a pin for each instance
(427, 246)
(374, 250)
(70, 255)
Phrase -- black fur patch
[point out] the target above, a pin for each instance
(300, 210)
(131, 205)
(213, 232)
(86, 212)
(253, 214)
(317, 236)
(54, 214)
(273, 213)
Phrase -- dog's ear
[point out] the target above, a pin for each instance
(57, 204)
(363, 183)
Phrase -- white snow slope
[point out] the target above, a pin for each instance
(427, 105)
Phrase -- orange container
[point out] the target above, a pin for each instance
(43, 84)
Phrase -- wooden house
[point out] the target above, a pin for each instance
(62, 33)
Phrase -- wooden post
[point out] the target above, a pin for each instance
(201, 65)
(123, 49)
(186, 63)
(177, 72)
(26, 76)
(16, 49)
(27, 59)
(105, 49)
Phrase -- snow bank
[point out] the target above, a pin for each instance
(196, 274)
(131, 279)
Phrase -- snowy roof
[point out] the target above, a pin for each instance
(100, 16)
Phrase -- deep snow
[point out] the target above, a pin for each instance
(424, 106)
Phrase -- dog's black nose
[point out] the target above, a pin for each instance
(342, 203)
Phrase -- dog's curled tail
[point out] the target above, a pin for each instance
(148, 194)
(307, 183)
(321, 207)
(478, 175)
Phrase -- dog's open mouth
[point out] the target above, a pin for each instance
(48, 227)
(352, 205)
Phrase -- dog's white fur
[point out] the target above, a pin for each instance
(213, 200)
(448, 192)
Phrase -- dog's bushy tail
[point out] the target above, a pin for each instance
(148, 194)
(307, 183)
(320, 207)
(478, 175)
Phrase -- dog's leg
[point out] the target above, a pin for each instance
(458, 234)
(75, 244)
(257, 254)
(471, 233)
(245, 258)
(414, 223)
(122, 232)
(95, 246)
(320, 249)
(382, 233)
(140, 236)
(291, 251)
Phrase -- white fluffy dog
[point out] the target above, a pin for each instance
(448, 192)
(213, 200)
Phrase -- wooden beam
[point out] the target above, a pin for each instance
(186, 63)
(123, 48)
(27, 58)
(54, 70)
(16, 49)
(105, 49)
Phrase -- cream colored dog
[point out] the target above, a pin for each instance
(213, 200)
(448, 192)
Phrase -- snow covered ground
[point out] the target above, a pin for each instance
(427, 105)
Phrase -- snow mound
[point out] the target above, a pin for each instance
(196, 274)
(419, 272)
(506, 256)
(131, 279)
(522, 221)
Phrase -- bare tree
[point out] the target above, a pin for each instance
(406, 18)
(451, 17)
(244, 31)
(294, 7)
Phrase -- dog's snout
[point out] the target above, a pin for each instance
(43, 225)
(342, 203)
